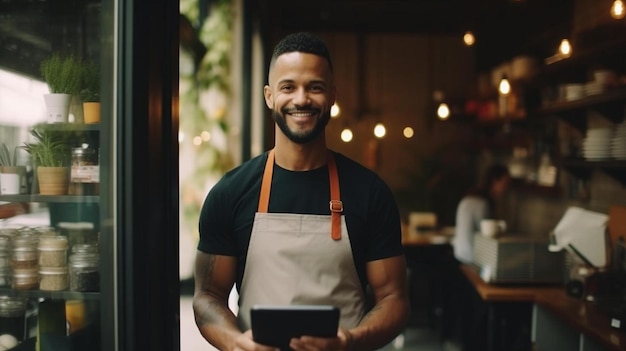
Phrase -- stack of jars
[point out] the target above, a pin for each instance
(5, 262)
(53, 269)
(24, 261)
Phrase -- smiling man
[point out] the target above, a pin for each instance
(301, 224)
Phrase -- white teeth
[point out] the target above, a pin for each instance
(301, 114)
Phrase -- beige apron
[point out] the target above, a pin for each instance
(293, 259)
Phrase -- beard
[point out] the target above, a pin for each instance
(301, 137)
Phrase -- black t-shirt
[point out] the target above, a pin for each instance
(372, 216)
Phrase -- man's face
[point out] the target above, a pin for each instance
(300, 94)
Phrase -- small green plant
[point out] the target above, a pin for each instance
(90, 82)
(5, 156)
(62, 74)
(50, 148)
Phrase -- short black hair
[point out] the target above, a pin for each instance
(302, 42)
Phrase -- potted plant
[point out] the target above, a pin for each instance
(90, 92)
(12, 176)
(63, 76)
(50, 153)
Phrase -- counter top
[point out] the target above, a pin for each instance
(581, 315)
(429, 237)
(506, 293)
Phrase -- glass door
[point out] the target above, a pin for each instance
(90, 260)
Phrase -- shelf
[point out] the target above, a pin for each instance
(583, 167)
(610, 104)
(51, 198)
(54, 295)
(71, 127)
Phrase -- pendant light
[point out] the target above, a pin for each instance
(617, 9)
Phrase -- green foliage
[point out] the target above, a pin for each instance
(90, 82)
(62, 74)
(5, 156)
(50, 148)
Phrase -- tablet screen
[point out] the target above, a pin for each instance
(275, 325)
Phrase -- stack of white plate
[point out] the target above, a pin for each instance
(597, 143)
(618, 143)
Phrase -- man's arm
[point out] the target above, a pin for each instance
(214, 279)
(390, 314)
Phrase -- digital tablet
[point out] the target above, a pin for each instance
(275, 325)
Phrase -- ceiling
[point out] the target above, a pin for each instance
(503, 28)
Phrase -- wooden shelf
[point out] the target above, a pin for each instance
(583, 167)
(54, 295)
(51, 198)
(610, 104)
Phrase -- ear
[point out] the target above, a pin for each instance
(267, 93)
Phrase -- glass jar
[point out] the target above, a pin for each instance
(85, 172)
(53, 278)
(25, 278)
(13, 317)
(79, 233)
(24, 252)
(5, 251)
(84, 272)
(52, 251)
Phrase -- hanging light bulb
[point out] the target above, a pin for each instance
(617, 9)
(468, 38)
(380, 130)
(346, 135)
(443, 111)
(504, 87)
(565, 48)
(408, 132)
(335, 111)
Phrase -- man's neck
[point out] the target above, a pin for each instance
(300, 157)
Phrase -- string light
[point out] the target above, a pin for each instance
(408, 132)
(565, 48)
(617, 9)
(443, 111)
(335, 111)
(504, 87)
(468, 38)
(380, 130)
(346, 135)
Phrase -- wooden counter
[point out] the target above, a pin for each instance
(583, 316)
(506, 293)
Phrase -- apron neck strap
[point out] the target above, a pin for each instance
(336, 206)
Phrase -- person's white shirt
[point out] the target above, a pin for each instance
(470, 211)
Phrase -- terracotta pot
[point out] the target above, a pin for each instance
(53, 180)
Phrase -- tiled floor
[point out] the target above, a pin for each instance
(190, 339)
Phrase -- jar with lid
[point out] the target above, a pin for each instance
(25, 278)
(52, 251)
(84, 272)
(85, 172)
(5, 251)
(53, 278)
(79, 233)
(24, 252)
(13, 317)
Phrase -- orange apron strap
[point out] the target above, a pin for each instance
(336, 206)
(264, 199)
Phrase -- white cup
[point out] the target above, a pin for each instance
(492, 227)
